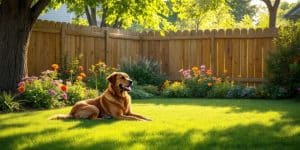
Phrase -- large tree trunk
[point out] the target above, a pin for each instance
(16, 20)
(272, 18)
(14, 37)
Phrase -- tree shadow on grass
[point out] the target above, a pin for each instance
(253, 136)
(11, 141)
(237, 105)
(12, 125)
(87, 123)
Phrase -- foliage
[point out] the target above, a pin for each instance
(283, 65)
(144, 72)
(78, 91)
(99, 72)
(150, 89)
(220, 90)
(72, 71)
(148, 14)
(139, 92)
(240, 9)
(175, 89)
(8, 103)
(45, 92)
(268, 90)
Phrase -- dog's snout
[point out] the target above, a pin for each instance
(130, 82)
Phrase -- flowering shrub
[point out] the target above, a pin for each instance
(48, 91)
(73, 71)
(99, 72)
(200, 82)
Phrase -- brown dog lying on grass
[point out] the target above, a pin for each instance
(115, 101)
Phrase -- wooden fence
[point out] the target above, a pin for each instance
(241, 52)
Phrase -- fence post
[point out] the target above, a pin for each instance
(62, 43)
(106, 45)
(213, 54)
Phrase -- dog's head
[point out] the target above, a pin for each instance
(120, 81)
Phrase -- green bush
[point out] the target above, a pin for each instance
(196, 87)
(78, 91)
(219, 90)
(150, 89)
(99, 72)
(7, 103)
(144, 71)
(176, 89)
(139, 93)
(283, 65)
(271, 91)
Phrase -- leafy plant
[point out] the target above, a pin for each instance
(99, 72)
(8, 103)
(175, 89)
(139, 93)
(144, 71)
(219, 90)
(283, 65)
(78, 91)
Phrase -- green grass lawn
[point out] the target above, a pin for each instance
(177, 124)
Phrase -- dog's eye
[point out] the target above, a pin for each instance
(123, 77)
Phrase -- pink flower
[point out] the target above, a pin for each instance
(22, 83)
(64, 96)
(52, 92)
(202, 68)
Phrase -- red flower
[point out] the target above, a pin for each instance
(63, 87)
(21, 89)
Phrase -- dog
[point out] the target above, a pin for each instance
(114, 101)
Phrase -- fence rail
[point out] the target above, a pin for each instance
(241, 52)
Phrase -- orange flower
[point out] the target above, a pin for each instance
(209, 72)
(82, 74)
(54, 67)
(21, 89)
(79, 78)
(80, 68)
(209, 84)
(63, 87)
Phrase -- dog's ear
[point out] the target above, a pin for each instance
(112, 78)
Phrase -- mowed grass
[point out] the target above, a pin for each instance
(177, 124)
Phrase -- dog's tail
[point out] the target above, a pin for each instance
(61, 116)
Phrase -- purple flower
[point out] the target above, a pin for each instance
(52, 92)
(64, 96)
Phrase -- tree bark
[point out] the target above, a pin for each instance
(104, 15)
(14, 37)
(91, 15)
(16, 20)
(272, 12)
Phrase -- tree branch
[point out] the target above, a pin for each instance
(276, 4)
(37, 8)
(268, 3)
(88, 15)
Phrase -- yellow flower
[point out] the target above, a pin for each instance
(166, 84)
